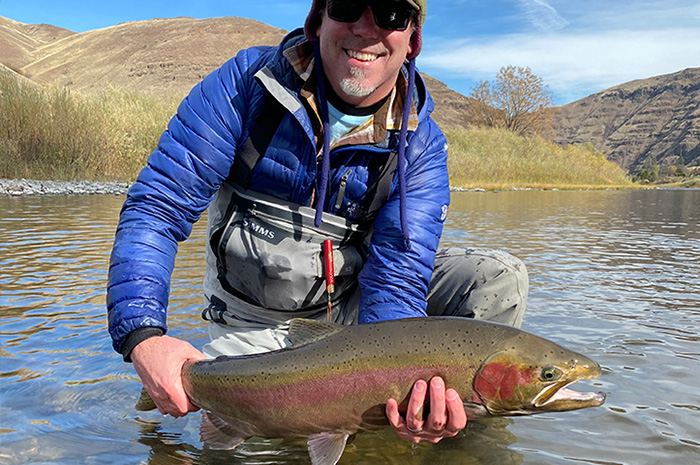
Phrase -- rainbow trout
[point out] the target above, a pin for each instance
(335, 380)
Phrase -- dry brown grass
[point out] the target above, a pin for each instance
(53, 133)
(497, 158)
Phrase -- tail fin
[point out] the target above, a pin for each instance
(145, 402)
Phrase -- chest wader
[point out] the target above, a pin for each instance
(265, 262)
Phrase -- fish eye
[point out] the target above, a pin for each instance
(550, 373)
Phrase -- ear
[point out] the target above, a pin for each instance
(413, 39)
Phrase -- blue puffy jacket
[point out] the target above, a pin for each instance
(195, 155)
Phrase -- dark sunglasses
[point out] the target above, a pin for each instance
(394, 15)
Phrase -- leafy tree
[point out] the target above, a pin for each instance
(649, 172)
(517, 100)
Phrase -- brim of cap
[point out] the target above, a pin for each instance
(421, 13)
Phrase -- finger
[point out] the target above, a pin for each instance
(414, 413)
(456, 415)
(438, 411)
(398, 423)
(162, 401)
(393, 415)
(181, 402)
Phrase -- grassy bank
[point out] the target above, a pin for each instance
(498, 159)
(50, 133)
(55, 134)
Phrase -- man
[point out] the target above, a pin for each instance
(325, 138)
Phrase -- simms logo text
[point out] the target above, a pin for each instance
(257, 229)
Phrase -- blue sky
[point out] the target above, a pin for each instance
(577, 47)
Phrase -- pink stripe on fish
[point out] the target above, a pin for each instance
(334, 387)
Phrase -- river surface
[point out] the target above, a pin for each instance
(614, 275)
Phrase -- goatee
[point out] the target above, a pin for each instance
(355, 86)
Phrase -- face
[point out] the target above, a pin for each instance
(360, 59)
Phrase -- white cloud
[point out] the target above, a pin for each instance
(542, 15)
(570, 61)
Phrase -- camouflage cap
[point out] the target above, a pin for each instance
(420, 6)
(313, 21)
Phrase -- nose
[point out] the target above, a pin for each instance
(365, 26)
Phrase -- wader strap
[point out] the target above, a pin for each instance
(215, 311)
(380, 186)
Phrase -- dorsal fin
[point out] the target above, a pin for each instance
(303, 331)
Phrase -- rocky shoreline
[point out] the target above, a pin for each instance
(20, 187)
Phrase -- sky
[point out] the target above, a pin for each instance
(576, 47)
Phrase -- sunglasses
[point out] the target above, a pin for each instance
(394, 15)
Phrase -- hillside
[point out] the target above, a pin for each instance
(19, 42)
(657, 117)
(160, 57)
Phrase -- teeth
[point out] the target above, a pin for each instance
(362, 56)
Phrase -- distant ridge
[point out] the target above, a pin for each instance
(657, 117)
(158, 57)
(161, 57)
(19, 42)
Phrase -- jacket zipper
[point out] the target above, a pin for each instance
(341, 190)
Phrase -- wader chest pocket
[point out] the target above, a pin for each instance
(268, 252)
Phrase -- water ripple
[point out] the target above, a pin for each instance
(615, 275)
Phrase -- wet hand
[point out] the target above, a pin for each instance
(446, 418)
(158, 362)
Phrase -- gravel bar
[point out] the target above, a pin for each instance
(17, 187)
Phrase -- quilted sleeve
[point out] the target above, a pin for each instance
(193, 158)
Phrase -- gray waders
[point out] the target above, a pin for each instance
(264, 267)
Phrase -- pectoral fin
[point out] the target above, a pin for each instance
(326, 448)
(475, 410)
(218, 434)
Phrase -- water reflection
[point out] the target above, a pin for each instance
(614, 275)
(485, 441)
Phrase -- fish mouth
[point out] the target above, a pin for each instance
(557, 397)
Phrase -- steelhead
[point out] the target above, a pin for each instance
(334, 381)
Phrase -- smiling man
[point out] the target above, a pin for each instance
(319, 150)
(362, 61)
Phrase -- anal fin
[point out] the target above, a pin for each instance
(218, 434)
(326, 448)
(145, 403)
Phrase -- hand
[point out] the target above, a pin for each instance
(446, 418)
(158, 362)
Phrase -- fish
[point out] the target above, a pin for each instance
(334, 381)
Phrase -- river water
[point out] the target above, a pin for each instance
(614, 275)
